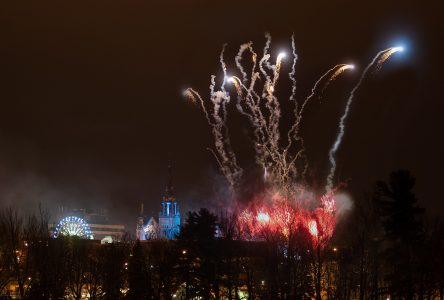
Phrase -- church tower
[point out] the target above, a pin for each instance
(139, 225)
(169, 216)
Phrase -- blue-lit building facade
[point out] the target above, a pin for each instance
(169, 217)
(167, 226)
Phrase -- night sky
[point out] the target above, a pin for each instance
(92, 113)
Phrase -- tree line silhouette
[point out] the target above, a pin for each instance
(385, 248)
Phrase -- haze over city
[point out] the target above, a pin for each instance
(229, 150)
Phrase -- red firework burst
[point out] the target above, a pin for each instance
(281, 218)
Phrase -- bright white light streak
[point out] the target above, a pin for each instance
(281, 55)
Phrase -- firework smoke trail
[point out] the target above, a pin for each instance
(290, 136)
(266, 130)
(264, 62)
(252, 99)
(273, 106)
(278, 165)
(217, 122)
(238, 59)
(267, 46)
(223, 66)
(274, 160)
(293, 133)
(255, 117)
(228, 167)
(273, 103)
(236, 170)
(377, 63)
(292, 73)
(336, 70)
(252, 113)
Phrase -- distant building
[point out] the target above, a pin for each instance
(139, 226)
(88, 225)
(151, 229)
(168, 224)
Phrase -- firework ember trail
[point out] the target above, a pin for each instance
(376, 63)
(287, 206)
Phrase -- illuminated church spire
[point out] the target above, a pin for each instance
(169, 216)
(169, 190)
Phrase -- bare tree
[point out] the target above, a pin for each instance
(15, 250)
(94, 276)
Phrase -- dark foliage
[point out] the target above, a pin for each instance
(138, 275)
(385, 247)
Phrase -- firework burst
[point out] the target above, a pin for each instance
(286, 207)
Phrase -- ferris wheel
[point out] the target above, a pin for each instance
(73, 226)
